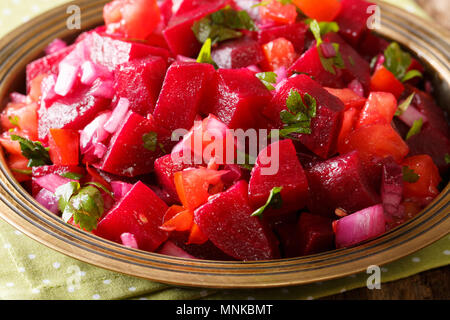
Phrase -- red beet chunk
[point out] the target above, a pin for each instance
(286, 231)
(140, 213)
(165, 168)
(432, 142)
(325, 126)
(227, 222)
(73, 111)
(127, 155)
(340, 182)
(38, 172)
(179, 35)
(111, 52)
(371, 45)
(239, 98)
(140, 81)
(46, 65)
(281, 158)
(353, 19)
(182, 92)
(295, 33)
(237, 54)
(316, 234)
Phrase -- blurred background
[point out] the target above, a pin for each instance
(438, 9)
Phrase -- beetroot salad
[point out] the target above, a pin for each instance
(229, 129)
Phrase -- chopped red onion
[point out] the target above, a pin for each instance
(55, 46)
(411, 114)
(281, 74)
(103, 89)
(48, 200)
(51, 182)
(67, 77)
(129, 240)
(356, 87)
(95, 152)
(18, 97)
(91, 71)
(380, 61)
(117, 115)
(181, 58)
(120, 189)
(328, 50)
(48, 89)
(94, 132)
(254, 68)
(171, 249)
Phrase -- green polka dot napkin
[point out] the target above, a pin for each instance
(30, 270)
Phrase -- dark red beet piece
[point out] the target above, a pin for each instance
(295, 33)
(235, 54)
(341, 183)
(179, 35)
(353, 18)
(140, 212)
(238, 99)
(140, 81)
(280, 156)
(316, 234)
(182, 92)
(227, 222)
(74, 111)
(371, 45)
(127, 155)
(325, 126)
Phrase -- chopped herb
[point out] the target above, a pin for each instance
(322, 28)
(409, 175)
(274, 201)
(14, 120)
(150, 140)
(33, 151)
(261, 4)
(412, 74)
(398, 61)
(404, 105)
(447, 158)
(268, 79)
(223, 25)
(26, 172)
(205, 54)
(297, 119)
(100, 186)
(65, 192)
(352, 62)
(71, 175)
(415, 129)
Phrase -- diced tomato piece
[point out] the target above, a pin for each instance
(376, 141)
(96, 177)
(384, 80)
(17, 162)
(323, 10)
(182, 221)
(35, 87)
(278, 12)
(23, 116)
(348, 97)
(379, 108)
(425, 189)
(64, 147)
(278, 53)
(196, 236)
(135, 19)
(348, 124)
(12, 147)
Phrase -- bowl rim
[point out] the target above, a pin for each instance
(20, 210)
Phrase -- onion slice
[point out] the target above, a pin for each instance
(392, 191)
(117, 115)
(171, 249)
(52, 181)
(48, 200)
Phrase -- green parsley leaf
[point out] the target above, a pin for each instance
(150, 140)
(223, 25)
(205, 54)
(415, 129)
(404, 105)
(65, 192)
(33, 151)
(71, 175)
(412, 74)
(297, 119)
(274, 201)
(398, 61)
(261, 4)
(409, 175)
(86, 207)
(100, 186)
(447, 158)
(14, 120)
(315, 29)
(323, 27)
(268, 79)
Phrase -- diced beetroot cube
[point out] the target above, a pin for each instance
(38, 172)
(310, 63)
(127, 154)
(227, 222)
(353, 19)
(355, 66)
(432, 142)
(179, 35)
(237, 54)
(295, 33)
(111, 52)
(140, 213)
(325, 126)
(286, 231)
(371, 45)
(140, 81)
(181, 96)
(239, 98)
(165, 168)
(281, 158)
(316, 234)
(46, 65)
(73, 111)
(340, 183)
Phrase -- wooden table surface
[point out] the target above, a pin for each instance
(433, 284)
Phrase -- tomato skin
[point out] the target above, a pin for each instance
(425, 189)
(19, 162)
(64, 147)
(385, 81)
(323, 10)
(379, 108)
(22, 116)
(278, 12)
(348, 124)
(376, 141)
(348, 97)
(181, 221)
(196, 236)
(135, 19)
(278, 53)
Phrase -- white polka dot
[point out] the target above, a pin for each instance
(107, 281)
(7, 12)
(56, 265)
(82, 273)
(415, 259)
(45, 281)
(7, 245)
(17, 232)
(447, 252)
(96, 296)
(16, 1)
(25, 19)
(131, 289)
(35, 8)
(310, 298)
(35, 290)
(70, 288)
(10, 284)
(21, 269)
(31, 256)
